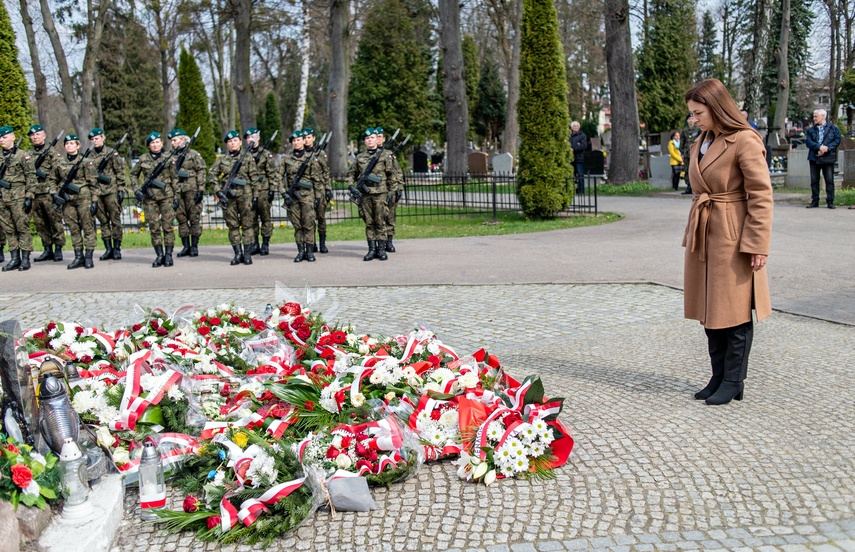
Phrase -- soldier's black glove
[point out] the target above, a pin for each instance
(389, 199)
(120, 197)
(198, 196)
(270, 195)
(328, 195)
(354, 193)
(140, 196)
(28, 205)
(287, 200)
(255, 203)
(398, 195)
(175, 204)
(93, 208)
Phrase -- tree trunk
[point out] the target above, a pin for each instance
(233, 108)
(304, 69)
(623, 163)
(38, 75)
(781, 54)
(162, 46)
(512, 127)
(339, 37)
(454, 87)
(62, 65)
(757, 57)
(242, 84)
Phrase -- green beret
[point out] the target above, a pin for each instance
(6, 130)
(151, 137)
(308, 132)
(35, 128)
(368, 132)
(70, 138)
(176, 132)
(378, 130)
(295, 134)
(96, 132)
(231, 134)
(250, 131)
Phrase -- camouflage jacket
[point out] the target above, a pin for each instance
(323, 167)
(85, 179)
(311, 178)
(20, 175)
(268, 172)
(168, 180)
(398, 180)
(112, 180)
(43, 172)
(382, 178)
(191, 177)
(246, 175)
(687, 137)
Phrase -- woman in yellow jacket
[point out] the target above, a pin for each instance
(676, 159)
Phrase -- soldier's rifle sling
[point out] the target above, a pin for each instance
(149, 181)
(180, 162)
(267, 144)
(103, 164)
(223, 194)
(44, 154)
(62, 196)
(360, 184)
(302, 170)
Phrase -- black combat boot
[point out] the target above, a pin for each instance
(158, 261)
(380, 250)
(108, 254)
(78, 259)
(87, 259)
(265, 246)
(25, 260)
(14, 260)
(372, 250)
(390, 247)
(255, 249)
(2, 257)
(117, 249)
(314, 247)
(238, 258)
(167, 256)
(57, 253)
(185, 251)
(247, 254)
(301, 253)
(46, 256)
(194, 246)
(322, 237)
(310, 255)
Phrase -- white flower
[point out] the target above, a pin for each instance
(536, 450)
(442, 375)
(121, 456)
(358, 399)
(527, 433)
(105, 438)
(418, 349)
(219, 478)
(495, 431)
(433, 348)
(364, 349)
(507, 471)
(56, 344)
(32, 489)
(343, 461)
(175, 393)
(520, 464)
(38, 458)
(432, 386)
(262, 469)
(466, 465)
(336, 442)
(449, 418)
(469, 380)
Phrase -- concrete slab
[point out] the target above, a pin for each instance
(96, 533)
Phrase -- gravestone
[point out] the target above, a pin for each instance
(420, 162)
(798, 169)
(607, 139)
(503, 163)
(478, 162)
(660, 171)
(594, 144)
(436, 158)
(847, 166)
(595, 162)
(19, 399)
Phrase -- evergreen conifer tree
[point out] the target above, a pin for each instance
(472, 71)
(270, 121)
(544, 154)
(15, 109)
(390, 75)
(489, 115)
(193, 106)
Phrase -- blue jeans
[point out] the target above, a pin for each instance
(579, 168)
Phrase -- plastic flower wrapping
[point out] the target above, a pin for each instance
(254, 415)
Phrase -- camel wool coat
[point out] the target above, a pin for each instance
(730, 220)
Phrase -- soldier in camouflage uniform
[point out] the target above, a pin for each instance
(373, 195)
(687, 137)
(191, 192)
(159, 200)
(45, 215)
(264, 188)
(301, 196)
(396, 192)
(79, 199)
(2, 244)
(325, 195)
(111, 193)
(16, 188)
(239, 198)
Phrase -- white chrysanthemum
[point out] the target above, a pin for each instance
(432, 386)
(507, 471)
(56, 344)
(503, 454)
(419, 349)
(422, 417)
(449, 418)
(546, 436)
(83, 348)
(436, 437)
(262, 468)
(107, 414)
(423, 335)
(520, 464)
(68, 337)
(526, 433)
(536, 449)
(175, 393)
(514, 444)
(495, 431)
(358, 399)
(84, 401)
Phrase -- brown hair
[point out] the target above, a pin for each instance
(713, 94)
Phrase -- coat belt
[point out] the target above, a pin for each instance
(699, 222)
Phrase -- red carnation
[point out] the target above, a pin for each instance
(51, 326)
(283, 326)
(213, 521)
(153, 324)
(332, 452)
(21, 475)
(363, 463)
(146, 345)
(204, 330)
(215, 321)
(244, 324)
(434, 359)
(346, 441)
(290, 308)
(86, 359)
(40, 336)
(191, 504)
(361, 436)
(361, 450)
(435, 415)
(259, 325)
(203, 319)
(299, 354)
(309, 405)
(303, 333)
(372, 455)
(299, 321)
(13, 449)
(235, 319)
(79, 330)
(161, 331)
(136, 327)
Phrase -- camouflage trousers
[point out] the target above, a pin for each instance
(160, 218)
(16, 224)
(81, 225)
(48, 221)
(391, 219)
(374, 207)
(302, 216)
(110, 216)
(261, 218)
(2, 238)
(239, 219)
(321, 214)
(189, 215)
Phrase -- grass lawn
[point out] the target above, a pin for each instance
(407, 228)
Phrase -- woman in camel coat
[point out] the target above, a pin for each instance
(728, 236)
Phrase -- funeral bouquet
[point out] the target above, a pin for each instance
(27, 477)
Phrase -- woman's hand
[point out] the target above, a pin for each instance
(758, 261)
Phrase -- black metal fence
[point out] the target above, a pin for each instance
(426, 196)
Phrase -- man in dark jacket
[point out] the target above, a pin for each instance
(822, 141)
(579, 143)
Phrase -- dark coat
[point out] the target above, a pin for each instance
(579, 143)
(831, 139)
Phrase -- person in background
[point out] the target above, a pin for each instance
(687, 138)
(676, 160)
(579, 143)
(822, 140)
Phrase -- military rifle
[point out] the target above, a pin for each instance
(3, 184)
(267, 144)
(298, 176)
(225, 192)
(103, 164)
(43, 156)
(183, 155)
(68, 185)
(145, 192)
(361, 187)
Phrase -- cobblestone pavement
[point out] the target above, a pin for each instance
(652, 469)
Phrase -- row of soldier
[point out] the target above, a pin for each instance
(77, 188)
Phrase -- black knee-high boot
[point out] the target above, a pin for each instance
(739, 340)
(717, 344)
